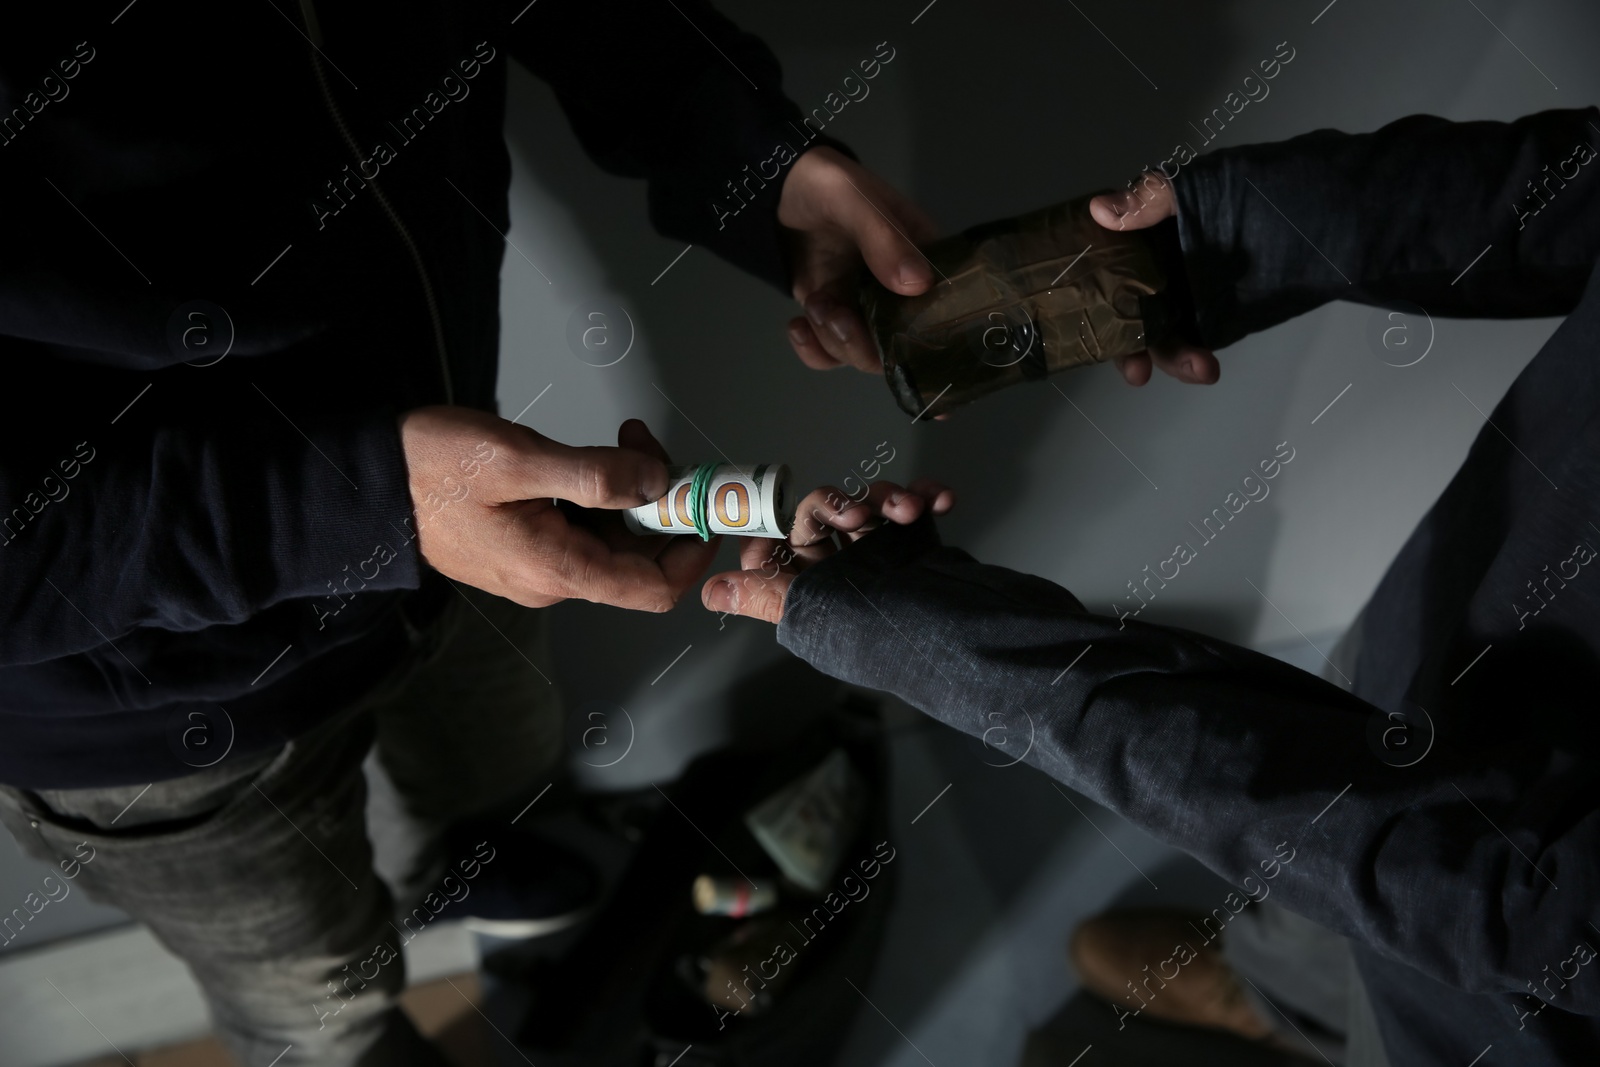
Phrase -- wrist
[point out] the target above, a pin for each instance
(1178, 323)
(819, 168)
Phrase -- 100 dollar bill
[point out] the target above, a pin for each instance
(753, 503)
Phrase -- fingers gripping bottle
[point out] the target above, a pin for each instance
(1017, 300)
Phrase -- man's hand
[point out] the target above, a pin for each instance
(838, 214)
(1150, 201)
(758, 589)
(484, 491)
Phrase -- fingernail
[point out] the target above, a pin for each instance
(817, 308)
(914, 271)
(1193, 364)
(653, 486)
(841, 327)
(797, 336)
(895, 498)
(718, 595)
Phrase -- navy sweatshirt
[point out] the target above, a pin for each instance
(237, 242)
(1469, 878)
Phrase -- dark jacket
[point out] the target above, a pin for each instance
(1444, 872)
(325, 191)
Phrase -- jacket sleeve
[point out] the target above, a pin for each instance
(1470, 219)
(673, 92)
(139, 510)
(1262, 771)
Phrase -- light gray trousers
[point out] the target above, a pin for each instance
(259, 872)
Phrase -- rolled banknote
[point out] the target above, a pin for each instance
(720, 498)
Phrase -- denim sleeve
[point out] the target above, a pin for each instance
(1469, 219)
(1260, 770)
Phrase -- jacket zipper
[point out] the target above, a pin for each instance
(314, 32)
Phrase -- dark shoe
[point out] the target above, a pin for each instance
(528, 886)
(402, 1046)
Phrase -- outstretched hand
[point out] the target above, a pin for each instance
(825, 517)
(838, 214)
(1150, 201)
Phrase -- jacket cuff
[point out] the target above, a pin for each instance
(829, 639)
(1210, 269)
(348, 524)
(1179, 321)
(722, 191)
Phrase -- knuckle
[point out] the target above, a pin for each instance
(749, 594)
(765, 600)
(598, 479)
(579, 574)
(531, 579)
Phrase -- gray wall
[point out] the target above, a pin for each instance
(990, 109)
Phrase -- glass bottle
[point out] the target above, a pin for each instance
(1016, 300)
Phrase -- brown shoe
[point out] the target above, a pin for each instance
(1159, 964)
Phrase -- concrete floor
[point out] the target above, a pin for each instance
(444, 1010)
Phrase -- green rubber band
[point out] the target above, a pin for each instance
(700, 499)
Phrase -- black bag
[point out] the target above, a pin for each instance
(618, 997)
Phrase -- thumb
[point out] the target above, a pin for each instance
(889, 253)
(748, 594)
(1147, 202)
(593, 476)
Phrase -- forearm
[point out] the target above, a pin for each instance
(1235, 757)
(176, 521)
(1271, 231)
(684, 99)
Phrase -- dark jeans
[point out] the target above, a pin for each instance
(259, 872)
